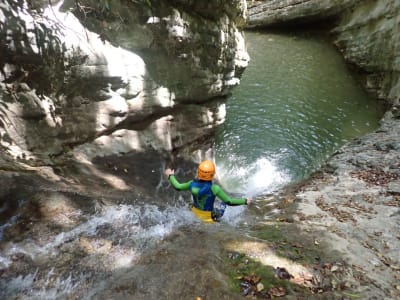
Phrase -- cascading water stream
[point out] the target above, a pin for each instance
(296, 105)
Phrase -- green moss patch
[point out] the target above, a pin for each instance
(287, 242)
(251, 278)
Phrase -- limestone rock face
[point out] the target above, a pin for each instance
(280, 12)
(115, 76)
(193, 48)
(367, 33)
(369, 37)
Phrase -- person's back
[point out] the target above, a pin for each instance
(203, 197)
(204, 192)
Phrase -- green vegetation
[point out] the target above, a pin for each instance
(257, 267)
(284, 239)
(246, 275)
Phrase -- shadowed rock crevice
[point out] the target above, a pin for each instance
(125, 72)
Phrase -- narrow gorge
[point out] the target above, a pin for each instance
(98, 97)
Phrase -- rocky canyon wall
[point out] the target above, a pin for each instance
(283, 12)
(90, 78)
(369, 37)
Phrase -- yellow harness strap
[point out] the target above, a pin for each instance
(205, 216)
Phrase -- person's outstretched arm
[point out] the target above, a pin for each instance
(175, 183)
(219, 192)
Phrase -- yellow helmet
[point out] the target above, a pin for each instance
(206, 170)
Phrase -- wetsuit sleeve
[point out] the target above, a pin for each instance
(217, 190)
(177, 185)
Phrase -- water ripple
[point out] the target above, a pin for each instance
(298, 96)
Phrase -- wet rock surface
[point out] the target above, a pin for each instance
(95, 228)
(331, 236)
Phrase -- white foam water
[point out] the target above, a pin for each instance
(133, 230)
(24, 287)
(260, 177)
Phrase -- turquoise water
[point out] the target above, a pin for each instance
(297, 103)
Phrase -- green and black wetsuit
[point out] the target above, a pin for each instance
(204, 193)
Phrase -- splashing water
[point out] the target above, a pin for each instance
(265, 178)
(261, 148)
(289, 114)
(130, 231)
(260, 177)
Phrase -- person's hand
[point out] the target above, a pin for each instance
(168, 172)
(248, 200)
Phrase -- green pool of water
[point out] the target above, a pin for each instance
(297, 103)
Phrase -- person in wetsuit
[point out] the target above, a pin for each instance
(204, 192)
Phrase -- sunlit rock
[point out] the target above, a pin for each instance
(58, 209)
(91, 245)
(369, 38)
(281, 12)
(94, 69)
